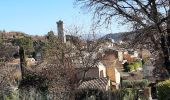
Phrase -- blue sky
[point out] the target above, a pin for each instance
(37, 17)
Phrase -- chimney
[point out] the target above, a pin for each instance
(61, 35)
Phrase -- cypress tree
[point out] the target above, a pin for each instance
(23, 62)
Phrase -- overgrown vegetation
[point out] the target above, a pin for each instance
(134, 66)
(140, 84)
(163, 89)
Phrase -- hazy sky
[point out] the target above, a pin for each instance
(39, 16)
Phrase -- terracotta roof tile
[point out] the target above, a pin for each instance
(100, 84)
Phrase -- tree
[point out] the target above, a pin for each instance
(163, 90)
(85, 52)
(25, 42)
(50, 35)
(57, 68)
(125, 66)
(149, 18)
(87, 55)
(23, 62)
(1, 38)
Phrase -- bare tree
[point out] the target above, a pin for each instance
(149, 18)
(85, 51)
(58, 69)
(53, 77)
(9, 75)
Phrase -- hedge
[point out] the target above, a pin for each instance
(163, 90)
(131, 67)
(136, 65)
(140, 84)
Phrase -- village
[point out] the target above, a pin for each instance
(85, 50)
(100, 67)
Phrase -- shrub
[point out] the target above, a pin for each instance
(128, 94)
(136, 65)
(125, 66)
(140, 84)
(163, 89)
(131, 67)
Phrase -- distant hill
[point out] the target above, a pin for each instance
(118, 36)
(91, 36)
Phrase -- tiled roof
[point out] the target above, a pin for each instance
(100, 84)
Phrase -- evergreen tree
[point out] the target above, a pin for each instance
(23, 62)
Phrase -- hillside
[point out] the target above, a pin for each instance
(118, 36)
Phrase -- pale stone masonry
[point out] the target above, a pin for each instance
(61, 35)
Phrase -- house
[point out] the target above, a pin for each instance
(91, 73)
(129, 56)
(136, 54)
(112, 65)
(144, 53)
(30, 61)
(148, 69)
(120, 55)
(114, 77)
(102, 70)
(104, 74)
(102, 84)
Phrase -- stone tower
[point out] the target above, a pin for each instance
(61, 35)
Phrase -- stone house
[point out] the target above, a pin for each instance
(148, 69)
(112, 64)
(102, 70)
(92, 73)
(102, 84)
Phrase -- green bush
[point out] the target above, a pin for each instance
(136, 65)
(128, 94)
(131, 67)
(163, 89)
(140, 84)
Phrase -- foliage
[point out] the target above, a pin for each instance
(12, 96)
(25, 42)
(22, 57)
(55, 74)
(85, 94)
(7, 80)
(129, 94)
(7, 52)
(131, 67)
(35, 80)
(50, 35)
(1, 38)
(137, 65)
(163, 89)
(125, 66)
(134, 83)
(150, 20)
